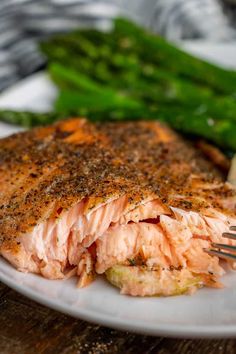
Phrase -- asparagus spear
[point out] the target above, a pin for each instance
(143, 82)
(157, 50)
(187, 120)
(141, 93)
(98, 94)
(29, 119)
(134, 42)
(220, 132)
(102, 102)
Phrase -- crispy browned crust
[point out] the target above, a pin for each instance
(215, 155)
(49, 169)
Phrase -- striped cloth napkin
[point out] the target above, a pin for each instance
(25, 22)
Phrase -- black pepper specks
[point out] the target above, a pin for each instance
(43, 172)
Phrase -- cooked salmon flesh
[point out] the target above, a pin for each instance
(133, 201)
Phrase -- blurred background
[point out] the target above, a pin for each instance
(23, 23)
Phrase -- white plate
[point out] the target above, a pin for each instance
(208, 313)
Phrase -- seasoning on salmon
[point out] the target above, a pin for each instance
(131, 200)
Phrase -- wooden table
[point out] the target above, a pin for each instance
(26, 327)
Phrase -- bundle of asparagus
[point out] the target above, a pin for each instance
(129, 73)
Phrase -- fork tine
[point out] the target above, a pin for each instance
(224, 247)
(220, 254)
(232, 228)
(229, 235)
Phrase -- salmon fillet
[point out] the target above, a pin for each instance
(132, 200)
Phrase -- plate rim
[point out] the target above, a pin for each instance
(163, 330)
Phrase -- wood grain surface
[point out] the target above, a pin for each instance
(26, 327)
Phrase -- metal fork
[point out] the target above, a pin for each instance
(217, 248)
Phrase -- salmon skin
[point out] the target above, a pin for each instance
(132, 200)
